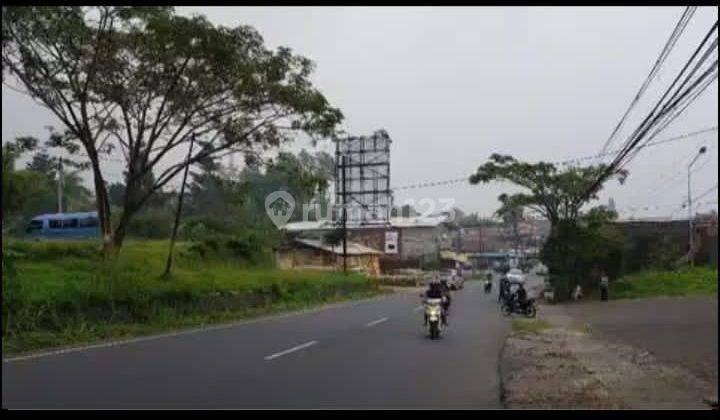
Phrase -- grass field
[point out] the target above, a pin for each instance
(61, 293)
(685, 281)
(530, 325)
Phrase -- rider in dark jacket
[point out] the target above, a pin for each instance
(434, 291)
(446, 292)
(504, 289)
(521, 295)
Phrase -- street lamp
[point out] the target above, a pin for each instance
(690, 215)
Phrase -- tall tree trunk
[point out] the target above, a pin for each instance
(103, 205)
(118, 235)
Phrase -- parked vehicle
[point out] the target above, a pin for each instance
(64, 225)
(512, 306)
(454, 280)
(515, 275)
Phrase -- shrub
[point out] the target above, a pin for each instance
(151, 224)
(53, 249)
(248, 248)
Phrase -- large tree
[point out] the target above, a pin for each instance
(558, 195)
(511, 214)
(18, 186)
(141, 82)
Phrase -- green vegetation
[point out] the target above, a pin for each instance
(685, 281)
(580, 242)
(61, 293)
(146, 102)
(530, 325)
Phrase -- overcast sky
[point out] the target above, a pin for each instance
(454, 85)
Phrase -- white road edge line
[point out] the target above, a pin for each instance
(377, 321)
(232, 324)
(417, 309)
(288, 351)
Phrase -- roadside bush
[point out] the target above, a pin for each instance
(664, 255)
(575, 252)
(151, 224)
(650, 251)
(562, 286)
(249, 248)
(193, 230)
(654, 282)
(53, 249)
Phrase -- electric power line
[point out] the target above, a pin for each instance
(659, 114)
(669, 44)
(662, 184)
(426, 184)
(652, 120)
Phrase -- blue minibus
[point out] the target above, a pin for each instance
(64, 225)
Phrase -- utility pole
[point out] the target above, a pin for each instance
(344, 212)
(168, 265)
(691, 239)
(59, 186)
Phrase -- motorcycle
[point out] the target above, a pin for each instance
(433, 315)
(512, 306)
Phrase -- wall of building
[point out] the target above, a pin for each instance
(420, 242)
(303, 257)
(675, 233)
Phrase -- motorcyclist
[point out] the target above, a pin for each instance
(435, 291)
(504, 289)
(446, 293)
(520, 296)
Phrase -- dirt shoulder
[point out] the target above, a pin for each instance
(567, 366)
(680, 331)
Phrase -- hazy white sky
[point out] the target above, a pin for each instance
(453, 85)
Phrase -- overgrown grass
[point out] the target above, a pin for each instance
(685, 281)
(60, 293)
(530, 325)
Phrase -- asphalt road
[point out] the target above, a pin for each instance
(676, 330)
(366, 354)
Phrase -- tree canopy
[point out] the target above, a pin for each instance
(139, 82)
(556, 194)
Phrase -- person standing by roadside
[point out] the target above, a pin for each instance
(604, 286)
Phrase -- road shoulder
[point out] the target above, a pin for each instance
(566, 366)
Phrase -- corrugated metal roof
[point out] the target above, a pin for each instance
(395, 222)
(353, 248)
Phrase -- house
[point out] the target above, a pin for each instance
(315, 254)
(405, 242)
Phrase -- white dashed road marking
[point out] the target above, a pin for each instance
(288, 351)
(377, 321)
